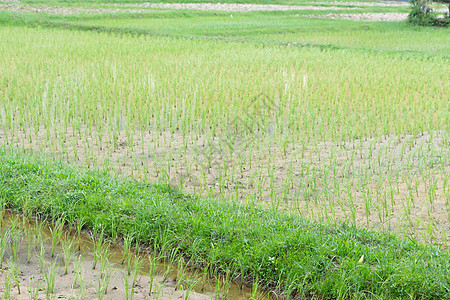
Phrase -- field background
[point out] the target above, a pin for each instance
(333, 120)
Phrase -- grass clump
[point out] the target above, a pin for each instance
(281, 251)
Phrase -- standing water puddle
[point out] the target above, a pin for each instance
(30, 271)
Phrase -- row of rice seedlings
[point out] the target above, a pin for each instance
(290, 195)
(214, 129)
(286, 191)
(285, 81)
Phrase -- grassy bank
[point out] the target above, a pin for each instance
(282, 252)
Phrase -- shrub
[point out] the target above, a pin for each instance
(422, 14)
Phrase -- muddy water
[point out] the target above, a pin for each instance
(165, 281)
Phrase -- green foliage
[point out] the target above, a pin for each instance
(421, 14)
(300, 257)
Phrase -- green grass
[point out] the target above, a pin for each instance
(269, 28)
(279, 250)
(285, 28)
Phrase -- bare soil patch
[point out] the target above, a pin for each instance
(233, 7)
(62, 10)
(365, 4)
(380, 17)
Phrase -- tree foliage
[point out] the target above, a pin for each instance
(422, 14)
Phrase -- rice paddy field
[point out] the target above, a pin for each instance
(291, 149)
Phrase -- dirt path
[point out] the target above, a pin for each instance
(231, 7)
(366, 4)
(380, 17)
(147, 7)
(11, 5)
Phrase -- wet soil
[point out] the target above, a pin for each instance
(108, 280)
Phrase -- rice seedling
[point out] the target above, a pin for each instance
(31, 246)
(82, 290)
(103, 281)
(15, 244)
(180, 274)
(153, 264)
(159, 290)
(67, 245)
(50, 277)
(34, 286)
(7, 286)
(190, 285)
(14, 273)
(129, 287)
(255, 295)
(56, 231)
(38, 231)
(204, 276)
(226, 282)
(2, 213)
(218, 291)
(137, 267)
(80, 223)
(42, 259)
(78, 272)
(3, 246)
(127, 249)
(99, 247)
